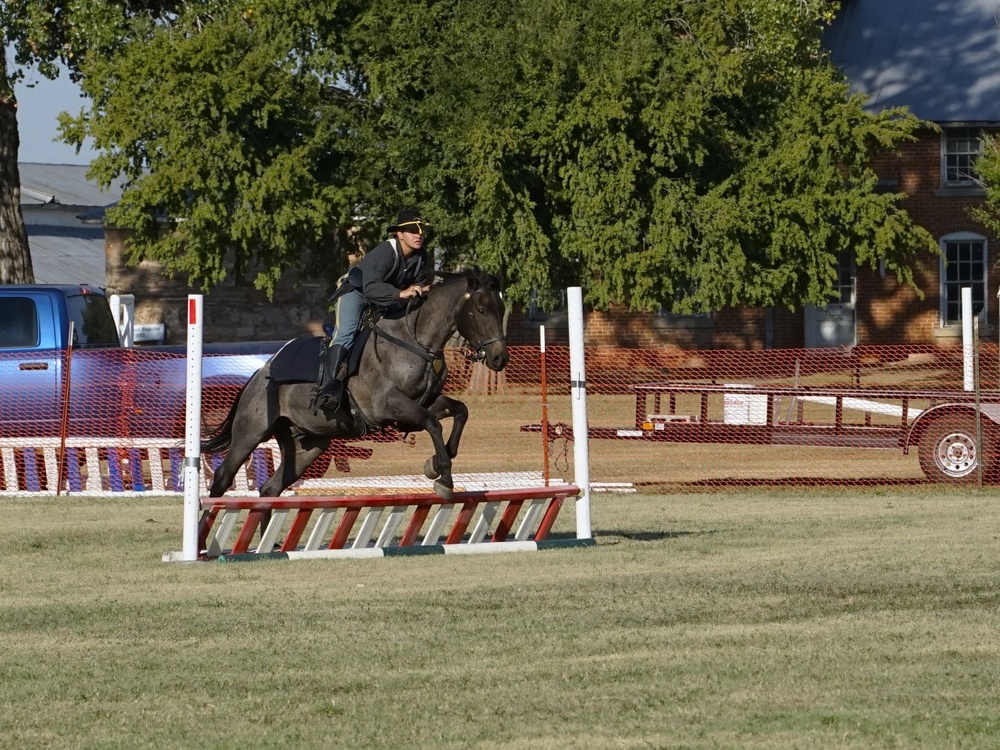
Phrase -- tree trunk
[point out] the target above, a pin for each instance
(15, 257)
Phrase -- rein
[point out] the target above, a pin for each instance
(476, 354)
(428, 355)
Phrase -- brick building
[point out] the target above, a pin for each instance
(942, 62)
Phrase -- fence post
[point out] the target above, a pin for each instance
(578, 389)
(967, 344)
(192, 434)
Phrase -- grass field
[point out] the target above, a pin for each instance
(740, 620)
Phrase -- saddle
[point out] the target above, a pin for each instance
(299, 360)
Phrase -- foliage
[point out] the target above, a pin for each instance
(988, 169)
(690, 155)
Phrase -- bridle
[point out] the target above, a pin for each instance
(472, 352)
(475, 352)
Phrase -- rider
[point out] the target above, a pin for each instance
(393, 271)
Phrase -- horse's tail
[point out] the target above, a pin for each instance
(222, 436)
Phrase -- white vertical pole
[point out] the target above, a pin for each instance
(123, 308)
(192, 434)
(578, 391)
(967, 337)
(545, 406)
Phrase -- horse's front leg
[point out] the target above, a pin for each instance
(410, 414)
(443, 408)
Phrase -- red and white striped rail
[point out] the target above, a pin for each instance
(504, 520)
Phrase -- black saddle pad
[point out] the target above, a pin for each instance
(297, 361)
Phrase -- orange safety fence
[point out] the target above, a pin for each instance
(658, 418)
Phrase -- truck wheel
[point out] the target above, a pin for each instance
(948, 451)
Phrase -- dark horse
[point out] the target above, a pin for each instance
(399, 380)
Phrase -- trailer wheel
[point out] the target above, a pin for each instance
(948, 451)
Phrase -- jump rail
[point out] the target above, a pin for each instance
(314, 517)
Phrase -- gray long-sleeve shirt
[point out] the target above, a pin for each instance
(385, 272)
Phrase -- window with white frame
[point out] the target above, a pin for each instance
(960, 147)
(963, 264)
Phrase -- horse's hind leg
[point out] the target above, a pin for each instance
(250, 428)
(295, 459)
(236, 456)
(298, 451)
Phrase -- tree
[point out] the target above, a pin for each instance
(988, 169)
(45, 35)
(692, 155)
(237, 127)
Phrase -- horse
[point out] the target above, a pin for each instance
(398, 381)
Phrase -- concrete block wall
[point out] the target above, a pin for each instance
(232, 312)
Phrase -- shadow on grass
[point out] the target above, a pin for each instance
(790, 482)
(612, 535)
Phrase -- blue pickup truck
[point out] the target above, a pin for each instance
(92, 385)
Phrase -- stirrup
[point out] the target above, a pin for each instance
(328, 398)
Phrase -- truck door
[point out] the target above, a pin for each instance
(29, 373)
(835, 325)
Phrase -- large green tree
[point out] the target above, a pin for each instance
(238, 125)
(695, 155)
(988, 169)
(692, 154)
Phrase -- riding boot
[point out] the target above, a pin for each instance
(330, 388)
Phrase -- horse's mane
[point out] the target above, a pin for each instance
(470, 278)
(474, 277)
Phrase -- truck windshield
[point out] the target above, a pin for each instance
(93, 323)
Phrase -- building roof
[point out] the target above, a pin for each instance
(64, 250)
(66, 184)
(67, 255)
(939, 58)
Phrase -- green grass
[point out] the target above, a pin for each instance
(744, 619)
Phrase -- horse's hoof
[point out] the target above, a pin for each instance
(442, 491)
(429, 471)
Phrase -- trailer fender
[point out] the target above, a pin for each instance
(920, 425)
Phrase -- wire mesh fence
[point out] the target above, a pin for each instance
(881, 415)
